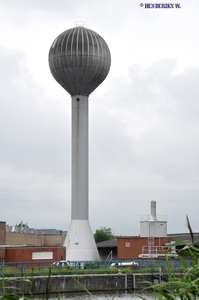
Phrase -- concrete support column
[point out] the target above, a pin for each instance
(79, 158)
(79, 243)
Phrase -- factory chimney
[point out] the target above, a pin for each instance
(153, 211)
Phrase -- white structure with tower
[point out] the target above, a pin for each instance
(153, 227)
(79, 60)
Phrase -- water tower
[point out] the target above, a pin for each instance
(79, 60)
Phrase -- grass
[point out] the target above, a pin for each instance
(145, 268)
(186, 286)
(37, 271)
(8, 292)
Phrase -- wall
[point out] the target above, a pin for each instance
(61, 284)
(54, 240)
(24, 254)
(153, 228)
(20, 245)
(135, 246)
(20, 239)
(2, 240)
(2, 253)
(2, 232)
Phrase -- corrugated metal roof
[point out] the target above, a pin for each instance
(185, 237)
(107, 244)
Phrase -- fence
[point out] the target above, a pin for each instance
(141, 266)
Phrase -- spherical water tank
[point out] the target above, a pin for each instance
(79, 60)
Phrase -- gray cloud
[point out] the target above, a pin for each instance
(143, 118)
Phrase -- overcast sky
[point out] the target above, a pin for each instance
(144, 118)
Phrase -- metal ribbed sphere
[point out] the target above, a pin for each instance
(79, 60)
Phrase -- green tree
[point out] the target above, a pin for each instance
(22, 226)
(103, 234)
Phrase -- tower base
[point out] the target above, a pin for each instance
(80, 244)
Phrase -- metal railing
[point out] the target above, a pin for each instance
(143, 266)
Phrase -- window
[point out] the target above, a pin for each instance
(127, 244)
(42, 255)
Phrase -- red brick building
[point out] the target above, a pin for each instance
(2, 232)
(132, 247)
(34, 254)
(2, 239)
(27, 253)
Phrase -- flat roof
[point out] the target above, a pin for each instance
(175, 236)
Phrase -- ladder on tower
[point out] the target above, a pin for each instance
(151, 245)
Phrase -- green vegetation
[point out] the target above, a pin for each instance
(184, 286)
(22, 225)
(44, 271)
(7, 291)
(103, 234)
(101, 267)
